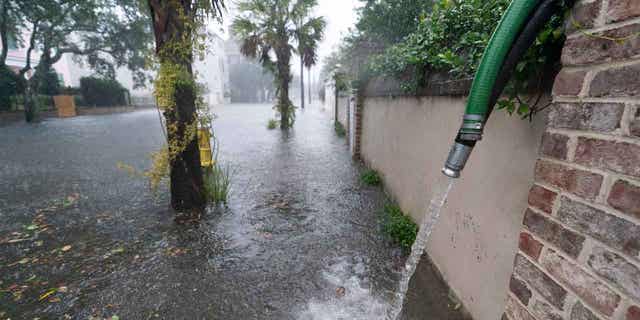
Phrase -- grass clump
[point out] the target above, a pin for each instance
(217, 183)
(370, 177)
(272, 124)
(399, 226)
(340, 131)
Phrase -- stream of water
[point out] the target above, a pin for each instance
(440, 192)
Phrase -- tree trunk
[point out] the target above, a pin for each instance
(301, 83)
(283, 55)
(283, 101)
(335, 111)
(4, 38)
(309, 83)
(187, 183)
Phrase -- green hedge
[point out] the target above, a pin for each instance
(102, 92)
(9, 87)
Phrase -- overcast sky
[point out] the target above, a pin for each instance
(340, 15)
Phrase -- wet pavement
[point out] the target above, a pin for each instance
(300, 239)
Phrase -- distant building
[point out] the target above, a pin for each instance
(248, 81)
(213, 72)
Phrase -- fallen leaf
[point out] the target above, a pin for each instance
(66, 248)
(39, 243)
(48, 293)
(340, 292)
(32, 227)
(63, 289)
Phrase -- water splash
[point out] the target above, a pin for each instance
(358, 301)
(440, 193)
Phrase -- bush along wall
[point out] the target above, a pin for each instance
(101, 92)
(579, 250)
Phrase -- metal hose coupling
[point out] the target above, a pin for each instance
(457, 159)
(470, 133)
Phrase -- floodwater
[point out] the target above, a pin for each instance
(82, 239)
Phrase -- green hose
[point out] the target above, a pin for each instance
(508, 29)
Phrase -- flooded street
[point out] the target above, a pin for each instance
(300, 238)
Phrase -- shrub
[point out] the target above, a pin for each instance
(272, 124)
(48, 83)
(79, 101)
(9, 84)
(44, 102)
(102, 92)
(340, 131)
(70, 91)
(452, 38)
(399, 226)
(370, 177)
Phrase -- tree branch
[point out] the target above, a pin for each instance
(32, 43)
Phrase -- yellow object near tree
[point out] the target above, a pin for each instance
(204, 142)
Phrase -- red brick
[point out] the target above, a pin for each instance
(625, 197)
(530, 246)
(620, 157)
(620, 82)
(542, 310)
(566, 240)
(580, 312)
(568, 83)
(540, 282)
(633, 313)
(554, 145)
(579, 182)
(542, 198)
(592, 291)
(615, 232)
(601, 117)
(587, 49)
(515, 311)
(520, 290)
(584, 15)
(617, 270)
(620, 10)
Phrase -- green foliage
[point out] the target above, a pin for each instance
(339, 128)
(102, 92)
(217, 183)
(389, 21)
(48, 82)
(451, 38)
(272, 124)
(399, 227)
(371, 177)
(8, 87)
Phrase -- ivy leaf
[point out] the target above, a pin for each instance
(523, 109)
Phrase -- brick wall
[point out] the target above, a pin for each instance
(579, 255)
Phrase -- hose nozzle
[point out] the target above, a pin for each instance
(457, 159)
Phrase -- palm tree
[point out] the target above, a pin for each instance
(309, 32)
(176, 25)
(272, 29)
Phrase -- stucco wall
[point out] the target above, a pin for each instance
(407, 140)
